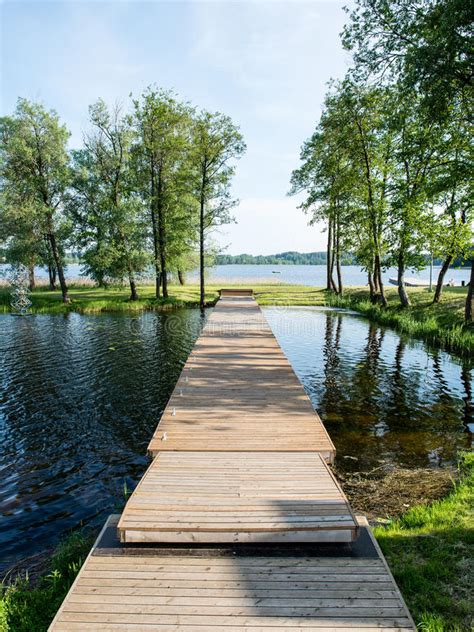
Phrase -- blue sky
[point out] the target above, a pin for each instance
(266, 64)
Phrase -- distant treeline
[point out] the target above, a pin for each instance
(305, 258)
(282, 258)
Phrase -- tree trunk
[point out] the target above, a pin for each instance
(161, 241)
(441, 275)
(402, 293)
(133, 287)
(202, 289)
(31, 277)
(161, 232)
(469, 311)
(52, 276)
(376, 281)
(157, 279)
(154, 227)
(370, 279)
(59, 267)
(329, 257)
(333, 256)
(180, 277)
(340, 288)
(338, 261)
(164, 281)
(379, 282)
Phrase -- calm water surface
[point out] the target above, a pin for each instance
(294, 274)
(81, 396)
(383, 398)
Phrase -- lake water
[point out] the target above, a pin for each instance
(294, 274)
(81, 396)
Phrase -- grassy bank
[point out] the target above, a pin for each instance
(27, 606)
(430, 552)
(440, 325)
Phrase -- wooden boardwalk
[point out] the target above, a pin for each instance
(240, 467)
(238, 392)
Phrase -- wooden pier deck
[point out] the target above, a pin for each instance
(238, 525)
(238, 392)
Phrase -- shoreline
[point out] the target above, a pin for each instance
(441, 325)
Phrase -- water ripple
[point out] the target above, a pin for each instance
(80, 397)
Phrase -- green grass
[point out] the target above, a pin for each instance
(440, 325)
(430, 552)
(27, 608)
(90, 300)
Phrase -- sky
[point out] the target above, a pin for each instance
(265, 64)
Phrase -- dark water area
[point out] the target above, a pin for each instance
(81, 396)
(80, 399)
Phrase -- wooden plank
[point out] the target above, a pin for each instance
(240, 458)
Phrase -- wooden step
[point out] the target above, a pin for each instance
(237, 497)
(233, 590)
(235, 292)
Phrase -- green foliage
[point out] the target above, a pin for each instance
(34, 176)
(429, 550)
(107, 212)
(130, 198)
(24, 607)
(216, 143)
(427, 44)
(388, 166)
(162, 162)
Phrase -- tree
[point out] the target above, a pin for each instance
(424, 43)
(34, 174)
(414, 150)
(22, 241)
(450, 190)
(161, 151)
(90, 216)
(106, 206)
(216, 142)
(369, 141)
(327, 176)
(345, 173)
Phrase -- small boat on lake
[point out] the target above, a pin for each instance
(411, 282)
(421, 282)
